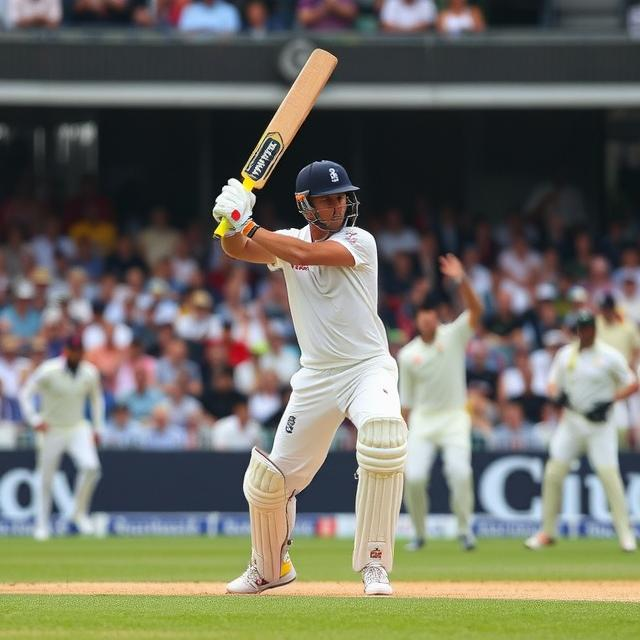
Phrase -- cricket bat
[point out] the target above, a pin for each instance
(284, 125)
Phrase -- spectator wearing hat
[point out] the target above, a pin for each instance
(79, 295)
(408, 16)
(21, 319)
(199, 323)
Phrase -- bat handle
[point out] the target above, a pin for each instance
(223, 227)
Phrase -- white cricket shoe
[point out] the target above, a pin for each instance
(376, 580)
(538, 541)
(251, 582)
(629, 544)
(84, 525)
(41, 534)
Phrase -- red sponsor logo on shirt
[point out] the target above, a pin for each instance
(301, 267)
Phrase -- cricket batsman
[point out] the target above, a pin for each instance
(331, 272)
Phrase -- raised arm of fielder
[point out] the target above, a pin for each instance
(250, 242)
(451, 267)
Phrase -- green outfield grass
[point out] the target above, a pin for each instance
(219, 559)
(302, 618)
(277, 618)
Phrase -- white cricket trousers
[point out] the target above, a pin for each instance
(79, 443)
(319, 402)
(450, 432)
(575, 435)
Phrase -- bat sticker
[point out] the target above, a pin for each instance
(265, 156)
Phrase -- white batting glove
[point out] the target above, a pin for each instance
(234, 204)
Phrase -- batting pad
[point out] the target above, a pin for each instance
(381, 452)
(264, 489)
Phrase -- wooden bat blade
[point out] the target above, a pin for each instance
(287, 120)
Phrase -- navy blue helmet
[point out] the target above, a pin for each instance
(324, 178)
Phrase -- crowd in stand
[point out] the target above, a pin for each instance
(254, 17)
(196, 351)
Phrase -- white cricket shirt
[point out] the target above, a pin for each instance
(432, 375)
(335, 309)
(62, 395)
(590, 375)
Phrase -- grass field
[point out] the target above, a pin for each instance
(303, 618)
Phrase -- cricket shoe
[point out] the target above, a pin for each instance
(84, 525)
(376, 581)
(415, 545)
(538, 541)
(41, 534)
(251, 582)
(467, 541)
(628, 543)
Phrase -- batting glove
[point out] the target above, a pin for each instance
(234, 204)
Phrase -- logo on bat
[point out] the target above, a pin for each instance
(264, 157)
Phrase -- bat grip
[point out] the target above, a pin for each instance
(224, 226)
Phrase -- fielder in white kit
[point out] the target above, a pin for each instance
(586, 378)
(433, 397)
(331, 271)
(63, 385)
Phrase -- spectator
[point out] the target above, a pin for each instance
(144, 397)
(327, 15)
(135, 356)
(396, 236)
(266, 404)
(162, 435)
(183, 266)
(175, 361)
(219, 397)
(79, 296)
(21, 319)
(94, 335)
(629, 297)
(210, 16)
(108, 358)
(281, 358)
(259, 20)
(238, 431)
(407, 16)
(118, 12)
(460, 17)
(199, 323)
(121, 431)
(483, 415)
(184, 410)
(125, 256)
(159, 240)
(515, 433)
(516, 385)
(12, 365)
(540, 360)
(616, 331)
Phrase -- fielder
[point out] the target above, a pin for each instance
(586, 378)
(63, 385)
(331, 271)
(433, 397)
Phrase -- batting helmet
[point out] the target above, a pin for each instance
(325, 178)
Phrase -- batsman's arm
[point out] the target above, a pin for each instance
(296, 251)
(243, 248)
